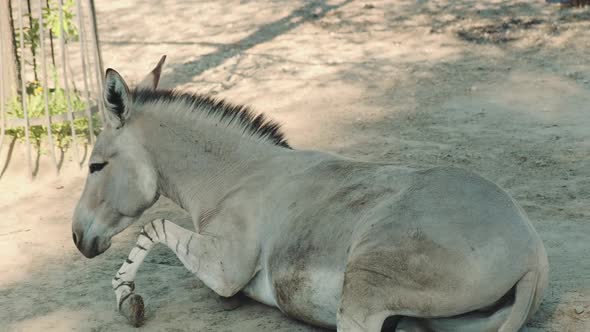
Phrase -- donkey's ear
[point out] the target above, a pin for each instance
(150, 81)
(117, 99)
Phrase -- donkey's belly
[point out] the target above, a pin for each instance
(306, 270)
(260, 289)
(311, 295)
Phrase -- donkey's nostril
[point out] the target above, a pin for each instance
(75, 238)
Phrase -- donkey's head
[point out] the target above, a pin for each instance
(122, 181)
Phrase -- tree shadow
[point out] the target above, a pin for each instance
(41, 160)
(311, 11)
(165, 42)
(8, 156)
(37, 146)
(84, 155)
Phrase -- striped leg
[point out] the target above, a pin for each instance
(178, 239)
(128, 303)
(224, 266)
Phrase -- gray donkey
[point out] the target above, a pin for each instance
(330, 241)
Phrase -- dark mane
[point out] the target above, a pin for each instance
(255, 124)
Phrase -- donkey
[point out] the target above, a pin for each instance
(331, 241)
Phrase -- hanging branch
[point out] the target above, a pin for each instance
(32, 39)
(51, 38)
(15, 46)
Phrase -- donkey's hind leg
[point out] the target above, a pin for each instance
(371, 300)
(365, 311)
(362, 305)
(363, 315)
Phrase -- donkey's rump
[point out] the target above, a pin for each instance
(438, 251)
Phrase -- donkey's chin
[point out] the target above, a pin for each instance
(96, 245)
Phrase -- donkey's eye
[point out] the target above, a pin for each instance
(95, 167)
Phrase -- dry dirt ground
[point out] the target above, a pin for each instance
(498, 87)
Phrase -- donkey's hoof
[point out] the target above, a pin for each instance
(133, 309)
(232, 302)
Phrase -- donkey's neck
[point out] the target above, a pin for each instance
(198, 163)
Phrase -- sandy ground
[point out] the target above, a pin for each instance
(501, 88)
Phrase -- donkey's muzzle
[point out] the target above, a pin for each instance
(89, 248)
(92, 249)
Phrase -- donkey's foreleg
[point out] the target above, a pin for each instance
(128, 303)
(205, 256)
(224, 266)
